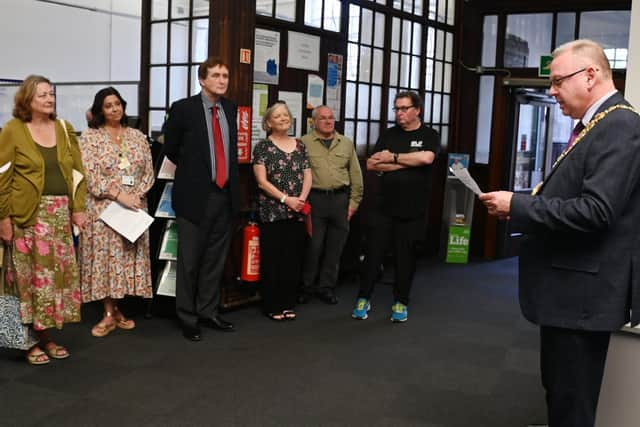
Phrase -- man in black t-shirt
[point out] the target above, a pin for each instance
(403, 157)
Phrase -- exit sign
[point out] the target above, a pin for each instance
(544, 69)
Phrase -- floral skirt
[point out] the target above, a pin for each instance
(45, 269)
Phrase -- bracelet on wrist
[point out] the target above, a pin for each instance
(395, 157)
(283, 198)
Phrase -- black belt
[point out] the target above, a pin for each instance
(338, 190)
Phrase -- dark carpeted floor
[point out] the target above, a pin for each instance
(465, 358)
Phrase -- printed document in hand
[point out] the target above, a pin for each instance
(127, 222)
(464, 176)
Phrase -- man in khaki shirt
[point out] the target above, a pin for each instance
(335, 195)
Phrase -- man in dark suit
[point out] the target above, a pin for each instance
(580, 264)
(201, 139)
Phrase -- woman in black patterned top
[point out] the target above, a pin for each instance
(283, 174)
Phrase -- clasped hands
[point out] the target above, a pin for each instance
(498, 203)
(294, 203)
(384, 156)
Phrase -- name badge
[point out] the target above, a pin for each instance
(127, 180)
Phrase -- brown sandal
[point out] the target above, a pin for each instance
(121, 321)
(37, 357)
(56, 351)
(103, 329)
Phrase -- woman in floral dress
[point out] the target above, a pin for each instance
(283, 175)
(40, 197)
(119, 169)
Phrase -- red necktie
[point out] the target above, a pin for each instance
(575, 132)
(218, 149)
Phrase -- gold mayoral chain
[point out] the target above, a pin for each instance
(594, 121)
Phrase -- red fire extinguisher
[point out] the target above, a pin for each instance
(250, 271)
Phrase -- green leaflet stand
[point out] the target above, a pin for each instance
(457, 214)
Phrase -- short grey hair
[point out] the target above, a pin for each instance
(588, 49)
(314, 112)
(269, 113)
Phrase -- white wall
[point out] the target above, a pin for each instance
(632, 83)
(70, 44)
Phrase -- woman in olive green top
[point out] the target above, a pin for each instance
(39, 202)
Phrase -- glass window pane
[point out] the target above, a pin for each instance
(445, 108)
(179, 41)
(354, 23)
(442, 10)
(448, 53)
(418, 7)
(350, 101)
(440, 45)
(374, 133)
(415, 72)
(404, 70)
(349, 127)
(332, 13)
(565, 28)
(431, 42)
(427, 107)
(406, 36)
(528, 36)
(432, 8)
(416, 45)
(365, 64)
(264, 7)
(393, 70)
(451, 12)
(157, 87)
(395, 34)
(352, 61)
(179, 9)
(397, 4)
(437, 77)
(378, 36)
(376, 102)
(408, 6)
(376, 72)
(485, 116)
(313, 13)
(159, 43)
(391, 116)
(178, 83)
(367, 25)
(286, 10)
(435, 117)
(159, 9)
(448, 76)
(200, 8)
(199, 40)
(362, 139)
(489, 40)
(610, 29)
(428, 74)
(444, 138)
(195, 83)
(363, 101)
(156, 120)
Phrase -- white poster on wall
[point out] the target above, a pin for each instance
(304, 51)
(315, 88)
(334, 82)
(266, 57)
(294, 102)
(260, 101)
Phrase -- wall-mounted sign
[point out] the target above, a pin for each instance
(244, 134)
(245, 56)
(544, 69)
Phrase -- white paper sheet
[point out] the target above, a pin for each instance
(127, 222)
(463, 175)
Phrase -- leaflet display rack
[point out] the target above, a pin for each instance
(457, 214)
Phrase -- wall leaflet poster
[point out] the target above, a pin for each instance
(266, 57)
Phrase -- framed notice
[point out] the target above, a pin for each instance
(304, 51)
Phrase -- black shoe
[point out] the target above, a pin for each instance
(218, 323)
(191, 333)
(304, 298)
(328, 297)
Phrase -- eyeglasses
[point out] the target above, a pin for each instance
(403, 109)
(557, 82)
